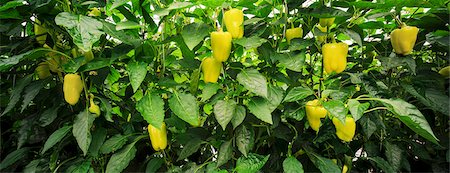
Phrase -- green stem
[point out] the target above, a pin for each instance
(374, 109)
(293, 139)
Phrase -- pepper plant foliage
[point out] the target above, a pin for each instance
(146, 70)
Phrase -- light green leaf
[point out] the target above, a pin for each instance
(411, 117)
(82, 129)
(185, 107)
(120, 160)
(292, 61)
(113, 144)
(252, 80)
(337, 109)
(85, 31)
(357, 109)
(224, 111)
(55, 137)
(238, 116)
(261, 109)
(298, 93)
(209, 90)
(251, 42)
(292, 165)
(7, 63)
(195, 78)
(127, 25)
(225, 153)
(137, 72)
(195, 33)
(151, 107)
(251, 164)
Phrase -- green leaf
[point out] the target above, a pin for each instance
(411, 117)
(32, 166)
(185, 107)
(369, 127)
(120, 160)
(225, 153)
(96, 63)
(113, 144)
(292, 61)
(394, 155)
(245, 139)
(137, 72)
(7, 63)
(48, 116)
(154, 164)
(354, 35)
(110, 29)
(151, 107)
(238, 116)
(209, 90)
(85, 31)
(275, 96)
(250, 42)
(357, 109)
(251, 163)
(12, 4)
(82, 129)
(118, 3)
(15, 96)
(31, 91)
(432, 98)
(80, 167)
(55, 137)
(13, 157)
(195, 33)
(292, 165)
(260, 108)
(195, 77)
(127, 25)
(224, 111)
(298, 93)
(337, 109)
(252, 80)
(106, 106)
(73, 64)
(383, 164)
(190, 148)
(98, 137)
(324, 164)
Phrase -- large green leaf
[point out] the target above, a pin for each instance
(55, 137)
(185, 107)
(85, 31)
(137, 72)
(225, 153)
(190, 148)
(298, 93)
(250, 42)
(253, 81)
(337, 109)
(15, 96)
(120, 160)
(245, 139)
(113, 144)
(224, 112)
(82, 129)
(151, 107)
(251, 163)
(411, 117)
(261, 109)
(7, 63)
(31, 92)
(292, 165)
(238, 116)
(292, 61)
(195, 33)
(324, 164)
(13, 157)
(357, 109)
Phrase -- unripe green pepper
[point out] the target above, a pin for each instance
(326, 22)
(158, 137)
(43, 70)
(72, 88)
(211, 69)
(403, 39)
(445, 72)
(293, 33)
(221, 45)
(334, 57)
(40, 32)
(345, 131)
(314, 112)
(234, 20)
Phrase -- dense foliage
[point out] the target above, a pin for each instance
(84, 83)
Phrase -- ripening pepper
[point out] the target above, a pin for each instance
(326, 22)
(211, 69)
(88, 56)
(293, 33)
(314, 112)
(403, 39)
(344, 169)
(345, 131)
(445, 72)
(323, 38)
(95, 12)
(334, 57)
(234, 21)
(72, 87)
(221, 45)
(158, 137)
(43, 70)
(40, 32)
(93, 108)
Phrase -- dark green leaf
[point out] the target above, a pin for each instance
(98, 137)
(381, 163)
(292, 61)
(31, 91)
(15, 96)
(224, 111)
(55, 137)
(324, 164)
(260, 108)
(225, 153)
(13, 157)
(252, 80)
(238, 116)
(48, 116)
(7, 63)
(153, 165)
(120, 160)
(82, 129)
(190, 148)
(113, 144)
(245, 139)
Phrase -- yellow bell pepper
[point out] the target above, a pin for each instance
(158, 137)
(221, 45)
(314, 112)
(293, 33)
(95, 12)
(403, 39)
(323, 38)
(211, 69)
(40, 32)
(445, 71)
(345, 131)
(234, 20)
(93, 108)
(344, 169)
(326, 22)
(43, 70)
(334, 57)
(72, 88)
